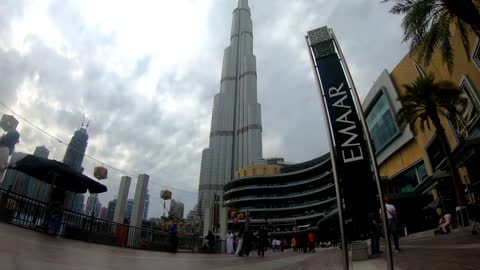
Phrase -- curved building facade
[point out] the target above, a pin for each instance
(302, 194)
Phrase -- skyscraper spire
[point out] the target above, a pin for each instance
(236, 129)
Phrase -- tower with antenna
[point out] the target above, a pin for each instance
(74, 158)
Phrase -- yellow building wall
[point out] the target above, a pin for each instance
(404, 157)
(405, 73)
(259, 170)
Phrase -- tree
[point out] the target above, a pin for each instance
(425, 101)
(427, 25)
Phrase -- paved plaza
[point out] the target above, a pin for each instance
(22, 249)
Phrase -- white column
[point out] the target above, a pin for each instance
(207, 220)
(122, 199)
(222, 217)
(139, 201)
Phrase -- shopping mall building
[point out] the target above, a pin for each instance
(284, 197)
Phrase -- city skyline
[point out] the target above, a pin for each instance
(147, 87)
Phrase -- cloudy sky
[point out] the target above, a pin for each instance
(146, 72)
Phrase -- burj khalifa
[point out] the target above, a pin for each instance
(236, 128)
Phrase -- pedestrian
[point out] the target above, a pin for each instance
(278, 244)
(392, 222)
(240, 246)
(311, 242)
(274, 244)
(247, 242)
(375, 233)
(211, 242)
(55, 210)
(294, 244)
(173, 238)
(7, 146)
(262, 236)
(230, 238)
(304, 242)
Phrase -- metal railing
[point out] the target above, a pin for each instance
(36, 215)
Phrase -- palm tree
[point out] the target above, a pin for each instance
(426, 25)
(425, 101)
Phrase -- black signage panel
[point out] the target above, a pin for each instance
(353, 164)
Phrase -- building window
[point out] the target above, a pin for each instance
(421, 171)
(407, 180)
(476, 54)
(465, 124)
(381, 122)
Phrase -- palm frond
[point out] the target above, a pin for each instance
(401, 7)
(425, 99)
(426, 26)
(462, 30)
(446, 46)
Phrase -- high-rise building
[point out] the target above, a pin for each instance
(193, 214)
(236, 128)
(36, 189)
(176, 210)
(121, 202)
(79, 203)
(74, 158)
(97, 209)
(76, 149)
(41, 151)
(111, 210)
(21, 183)
(92, 203)
(139, 200)
(128, 210)
(104, 213)
(12, 179)
(147, 204)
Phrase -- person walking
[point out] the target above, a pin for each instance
(240, 246)
(375, 233)
(278, 243)
(173, 238)
(210, 242)
(311, 242)
(304, 243)
(293, 243)
(262, 236)
(230, 238)
(392, 222)
(247, 242)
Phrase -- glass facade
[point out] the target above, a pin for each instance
(408, 180)
(381, 122)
